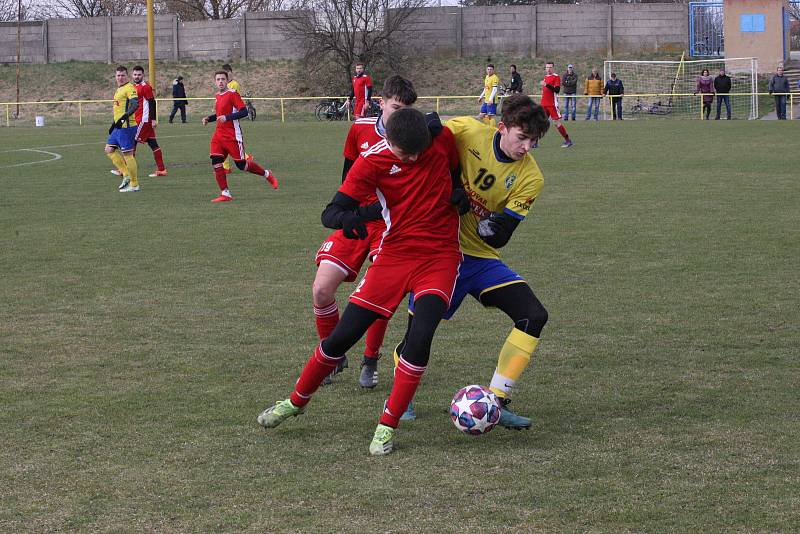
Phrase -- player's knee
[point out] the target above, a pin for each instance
(152, 143)
(535, 318)
(217, 160)
(323, 292)
(110, 149)
(241, 164)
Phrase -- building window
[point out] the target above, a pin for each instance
(751, 23)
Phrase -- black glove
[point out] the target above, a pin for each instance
(460, 200)
(373, 212)
(353, 226)
(493, 231)
(434, 123)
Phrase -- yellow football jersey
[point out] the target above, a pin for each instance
(494, 182)
(233, 84)
(121, 97)
(490, 83)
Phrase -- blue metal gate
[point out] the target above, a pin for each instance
(706, 22)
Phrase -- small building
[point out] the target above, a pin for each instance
(758, 28)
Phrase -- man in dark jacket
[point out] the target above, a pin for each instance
(569, 82)
(616, 91)
(516, 81)
(779, 84)
(722, 86)
(178, 102)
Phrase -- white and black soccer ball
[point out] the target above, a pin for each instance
(475, 410)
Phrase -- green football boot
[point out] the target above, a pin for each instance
(382, 441)
(275, 415)
(509, 419)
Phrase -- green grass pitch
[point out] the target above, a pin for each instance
(141, 335)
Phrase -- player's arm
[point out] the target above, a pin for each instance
(496, 230)
(555, 88)
(342, 212)
(210, 118)
(493, 94)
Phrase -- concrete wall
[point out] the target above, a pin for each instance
(444, 32)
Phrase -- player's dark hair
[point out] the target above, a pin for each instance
(408, 130)
(513, 66)
(521, 111)
(360, 63)
(400, 89)
(122, 68)
(546, 63)
(227, 67)
(139, 68)
(221, 72)
(490, 65)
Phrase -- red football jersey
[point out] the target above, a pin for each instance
(420, 220)
(362, 136)
(228, 102)
(143, 112)
(548, 96)
(360, 86)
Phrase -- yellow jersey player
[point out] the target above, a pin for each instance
(489, 96)
(502, 181)
(236, 86)
(121, 144)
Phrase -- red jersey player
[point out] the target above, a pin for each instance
(551, 85)
(146, 119)
(414, 178)
(361, 91)
(339, 259)
(228, 140)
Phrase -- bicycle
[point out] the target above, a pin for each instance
(331, 110)
(251, 109)
(656, 108)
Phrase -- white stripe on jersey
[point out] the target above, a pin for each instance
(236, 128)
(366, 120)
(377, 147)
(145, 110)
(386, 214)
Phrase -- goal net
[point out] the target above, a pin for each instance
(664, 89)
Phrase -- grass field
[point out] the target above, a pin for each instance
(140, 335)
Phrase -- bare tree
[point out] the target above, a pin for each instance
(87, 8)
(219, 9)
(335, 34)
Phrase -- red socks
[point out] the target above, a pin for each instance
(317, 368)
(375, 336)
(219, 174)
(327, 318)
(254, 168)
(406, 380)
(563, 132)
(159, 159)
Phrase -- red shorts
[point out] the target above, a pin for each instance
(227, 147)
(553, 112)
(349, 254)
(389, 279)
(144, 132)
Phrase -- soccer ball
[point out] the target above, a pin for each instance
(475, 410)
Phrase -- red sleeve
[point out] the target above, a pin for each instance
(237, 101)
(351, 150)
(557, 81)
(368, 81)
(360, 181)
(148, 92)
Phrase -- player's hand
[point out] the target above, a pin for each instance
(372, 212)
(222, 119)
(542, 84)
(460, 200)
(493, 232)
(204, 121)
(353, 226)
(155, 123)
(434, 123)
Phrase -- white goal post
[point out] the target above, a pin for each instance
(664, 89)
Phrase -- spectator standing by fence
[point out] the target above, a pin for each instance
(722, 86)
(593, 89)
(570, 84)
(705, 86)
(516, 81)
(178, 99)
(615, 90)
(779, 84)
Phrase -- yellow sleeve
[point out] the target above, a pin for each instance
(527, 187)
(233, 84)
(458, 125)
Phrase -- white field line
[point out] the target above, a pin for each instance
(56, 157)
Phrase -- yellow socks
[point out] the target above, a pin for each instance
(118, 160)
(133, 169)
(513, 360)
(227, 164)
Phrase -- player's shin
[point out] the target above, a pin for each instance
(219, 175)
(254, 168)
(375, 336)
(515, 355)
(317, 368)
(118, 160)
(133, 169)
(406, 380)
(326, 318)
